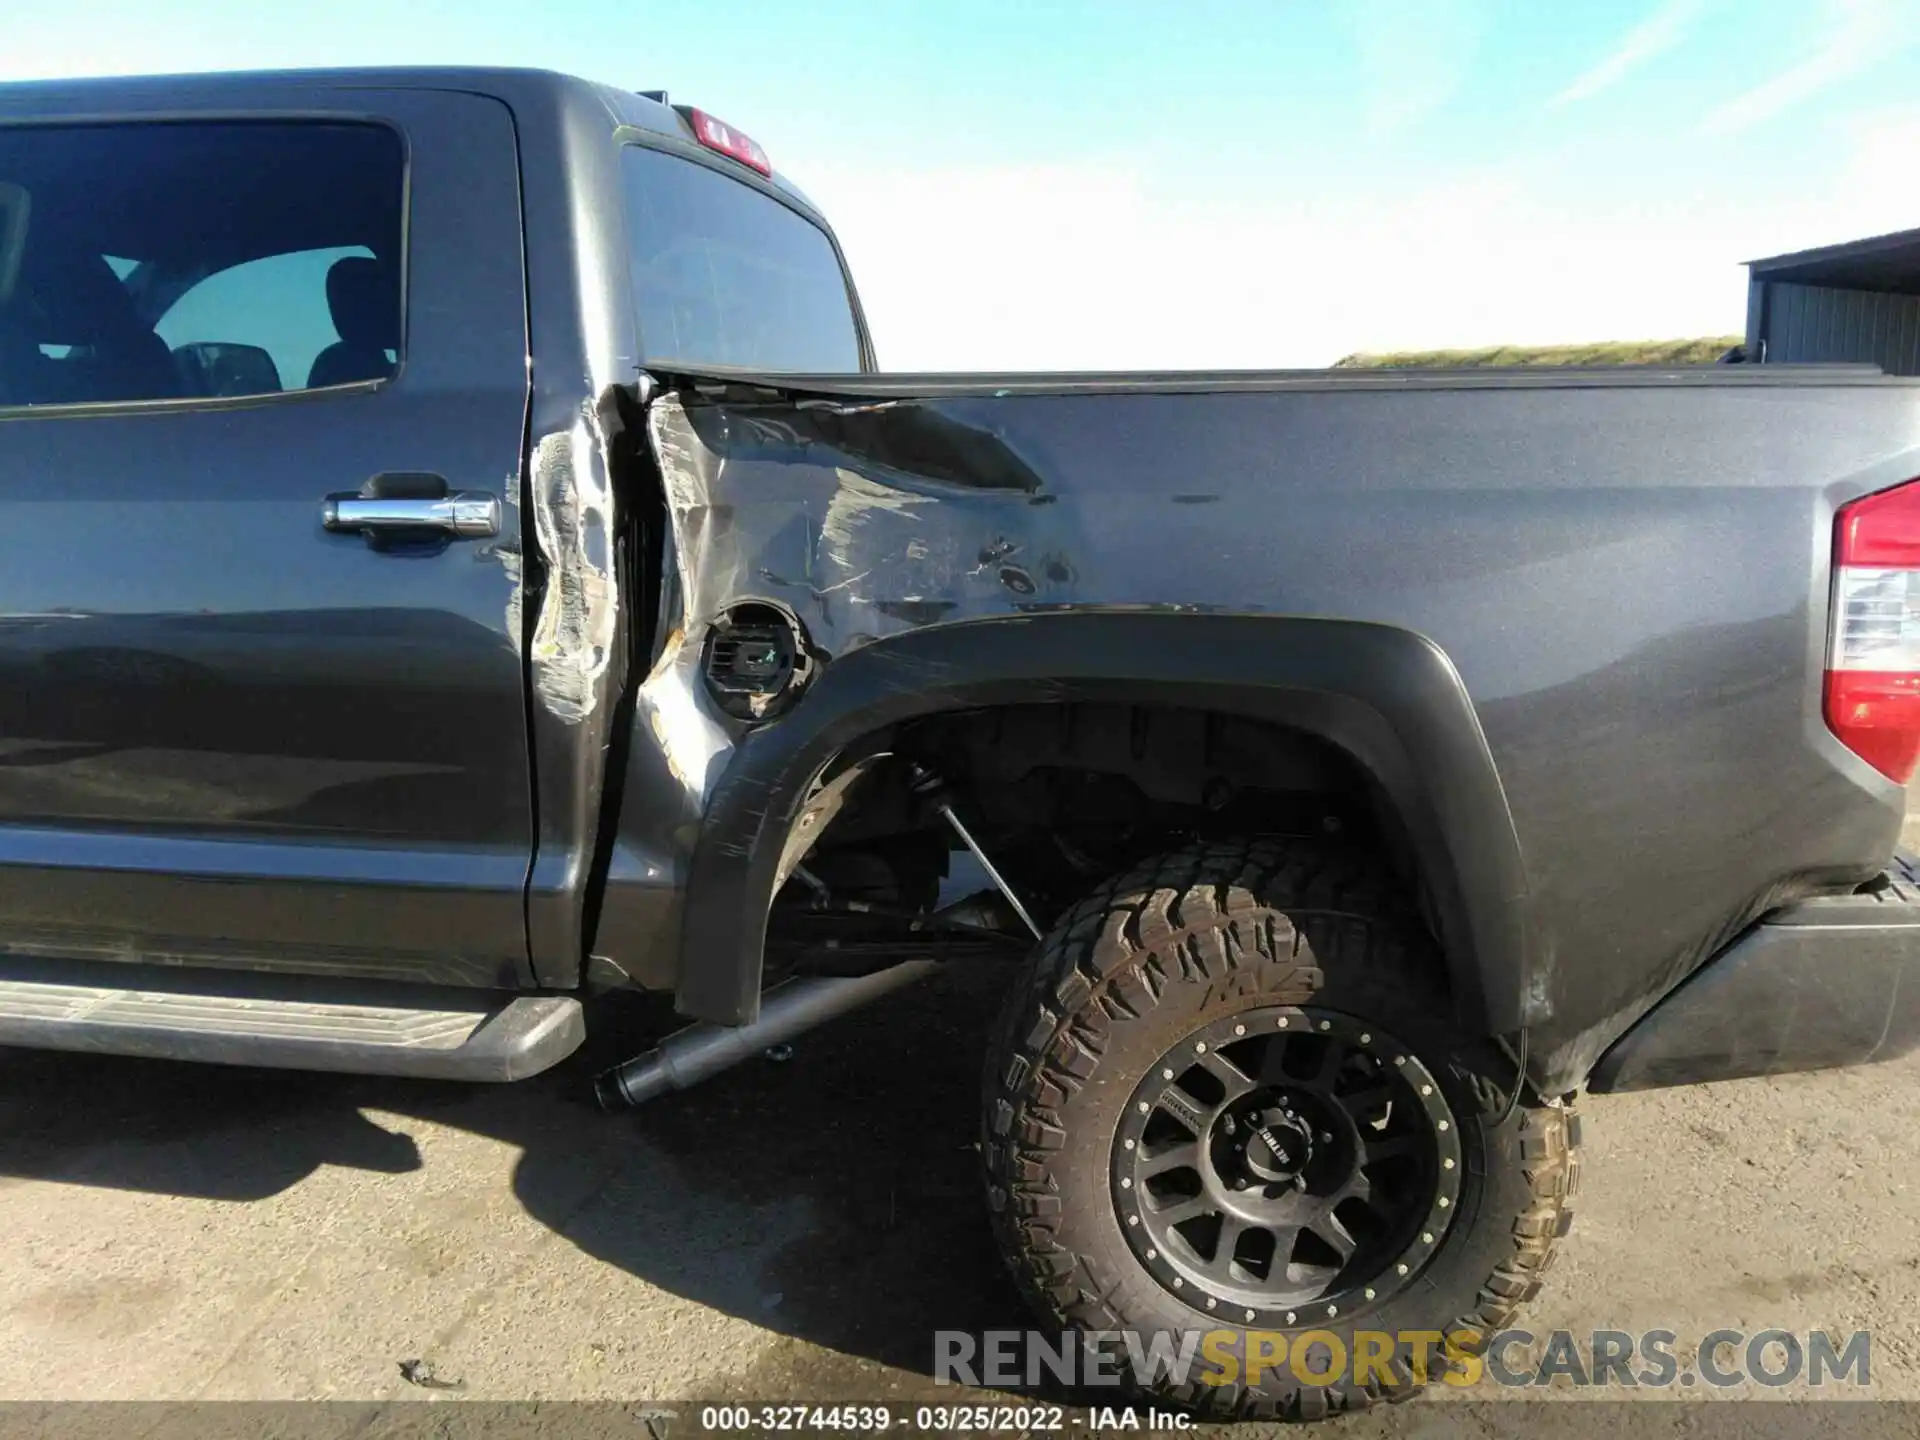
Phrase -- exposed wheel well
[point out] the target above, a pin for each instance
(1385, 696)
(1063, 796)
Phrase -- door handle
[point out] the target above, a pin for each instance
(465, 513)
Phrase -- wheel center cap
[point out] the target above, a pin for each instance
(1280, 1145)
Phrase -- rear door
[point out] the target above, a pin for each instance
(230, 734)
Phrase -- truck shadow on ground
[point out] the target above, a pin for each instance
(834, 1198)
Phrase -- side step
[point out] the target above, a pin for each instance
(284, 1022)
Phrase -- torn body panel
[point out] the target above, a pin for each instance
(843, 552)
(1614, 592)
(817, 510)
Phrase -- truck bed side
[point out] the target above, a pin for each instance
(1630, 577)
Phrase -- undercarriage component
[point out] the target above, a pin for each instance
(929, 785)
(700, 1052)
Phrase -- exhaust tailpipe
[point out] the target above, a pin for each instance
(700, 1052)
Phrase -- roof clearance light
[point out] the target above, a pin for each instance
(718, 135)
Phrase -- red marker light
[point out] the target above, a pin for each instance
(720, 136)
(1873, 655)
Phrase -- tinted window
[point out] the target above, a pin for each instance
(277, 304)
(177, 261)
(726, 275)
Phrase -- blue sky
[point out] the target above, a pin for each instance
(1120, 184)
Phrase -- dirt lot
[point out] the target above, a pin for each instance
(792, 1231)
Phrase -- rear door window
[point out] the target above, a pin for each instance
(192, 260)
(726, 275)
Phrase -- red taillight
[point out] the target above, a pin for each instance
(1873, 656)
(720, 136)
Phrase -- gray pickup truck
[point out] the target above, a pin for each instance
(461, 558)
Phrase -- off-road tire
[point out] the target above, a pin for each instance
(1172, 946)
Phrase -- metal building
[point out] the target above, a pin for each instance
(1854, 302)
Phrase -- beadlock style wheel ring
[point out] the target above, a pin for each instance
(1286, 1166)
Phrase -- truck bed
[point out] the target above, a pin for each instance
(935, 384)
(1627, 569)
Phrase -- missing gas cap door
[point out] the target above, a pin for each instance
(756, 661)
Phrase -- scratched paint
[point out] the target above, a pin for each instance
(815, 510)
(573, 635)
(672, 705)
(1533, 534)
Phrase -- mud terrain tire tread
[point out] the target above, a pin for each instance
(1297, 911)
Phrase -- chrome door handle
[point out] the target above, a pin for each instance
(466, 513)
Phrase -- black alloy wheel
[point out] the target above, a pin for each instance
(1283, 1164)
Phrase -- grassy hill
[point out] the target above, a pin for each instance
(1703, 351)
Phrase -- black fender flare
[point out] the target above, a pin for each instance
(1387, 696)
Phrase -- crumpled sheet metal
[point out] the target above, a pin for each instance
(573, 634)
(813, 508)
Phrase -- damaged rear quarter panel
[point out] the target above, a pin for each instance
(1585, 553)
(863, 521)
(909, 520)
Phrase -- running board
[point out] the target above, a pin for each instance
(284, 1022)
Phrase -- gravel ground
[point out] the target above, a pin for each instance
(792, 1231)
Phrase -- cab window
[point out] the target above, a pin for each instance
(183, 261)
(726, 275)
